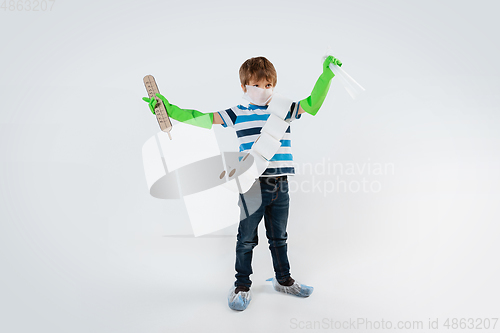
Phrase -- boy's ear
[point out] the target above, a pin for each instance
(244, 89)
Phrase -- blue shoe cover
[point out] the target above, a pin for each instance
(296, 288)
(240, 300)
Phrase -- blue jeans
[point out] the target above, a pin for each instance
(271, 201)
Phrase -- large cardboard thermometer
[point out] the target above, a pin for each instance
(160, 110)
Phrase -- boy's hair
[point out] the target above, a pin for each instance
(258, 68)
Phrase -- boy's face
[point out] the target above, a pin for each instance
(263, 84)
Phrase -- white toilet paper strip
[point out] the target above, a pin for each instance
(275, 126)
(266, 145)
(279, 105)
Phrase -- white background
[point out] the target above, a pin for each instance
(85, 248)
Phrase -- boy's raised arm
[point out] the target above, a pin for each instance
(188, 116)
(312, 103)
(192, 117)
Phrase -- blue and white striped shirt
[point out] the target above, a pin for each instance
(248, 122)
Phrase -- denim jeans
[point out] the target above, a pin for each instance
(270, 201)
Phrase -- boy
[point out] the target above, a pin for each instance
(268, 197)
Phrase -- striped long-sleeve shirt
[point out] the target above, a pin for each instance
(248, 122)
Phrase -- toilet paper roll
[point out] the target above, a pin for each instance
(275, 127)
(191, 167)
(266, 145)
(279, 105)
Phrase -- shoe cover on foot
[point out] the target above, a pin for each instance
(240, 300)
(296, 288)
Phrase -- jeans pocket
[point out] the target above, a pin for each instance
(284, 186)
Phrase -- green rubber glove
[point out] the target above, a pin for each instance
(312, 103)
(187, 116)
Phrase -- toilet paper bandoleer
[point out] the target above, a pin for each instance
(263, 131)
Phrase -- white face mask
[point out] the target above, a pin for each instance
(258, 96)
